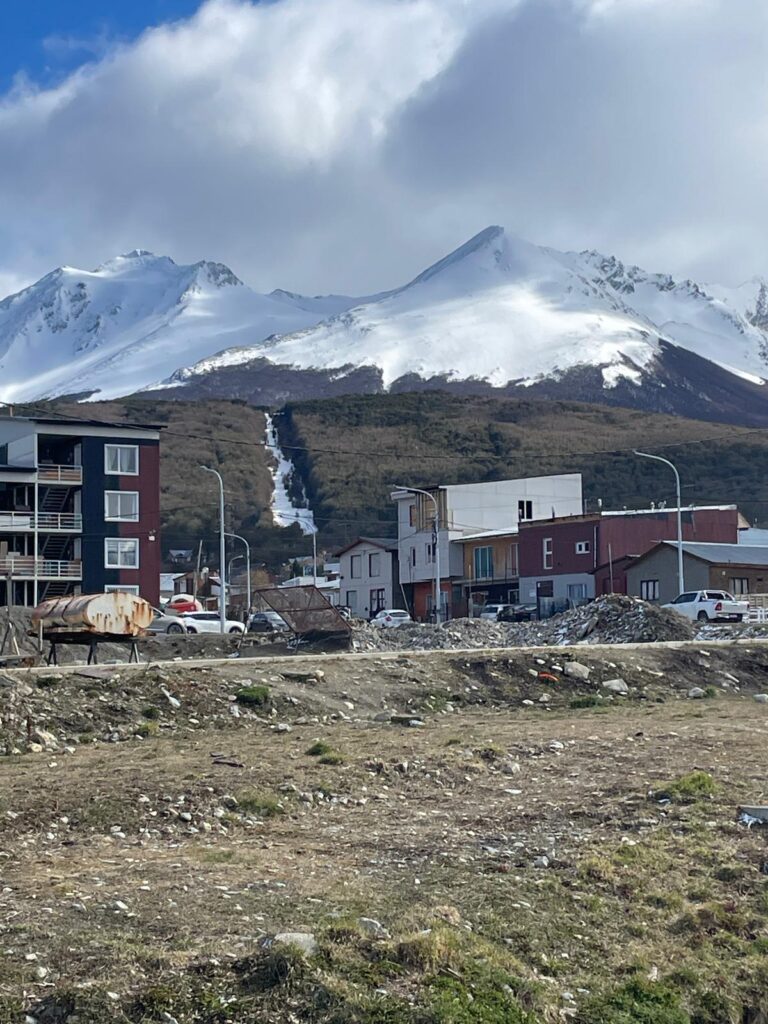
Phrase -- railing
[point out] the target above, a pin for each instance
(60, 474)
(24, 522)
(23, 567)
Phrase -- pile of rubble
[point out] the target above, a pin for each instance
(614, 619)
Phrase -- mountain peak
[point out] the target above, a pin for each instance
(136, 259)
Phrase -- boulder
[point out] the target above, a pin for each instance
(303, 941)
(575, 670)
(616, 686)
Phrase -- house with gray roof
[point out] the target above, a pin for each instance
(741, 569)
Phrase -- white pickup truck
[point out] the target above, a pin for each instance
(710, 606)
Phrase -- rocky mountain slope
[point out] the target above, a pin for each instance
(498, 312)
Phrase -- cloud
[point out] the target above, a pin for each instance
(343, 144)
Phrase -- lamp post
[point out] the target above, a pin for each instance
(680, 574)
(236, 536)
(222, 553)
(418, 490)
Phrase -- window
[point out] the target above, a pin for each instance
(378, 601)
(121, 459)
(483, 563)
(374, 564)
(121, 554)
(412, 514)
(121, 588)
(412, 557)
(582, 547)
(525, 510)
(352, 600)
(739, 585)
(356, 567)
(577, 594)
(430, 552)
(512, 560)
(649, 590)
(121, 506)
(546, 551)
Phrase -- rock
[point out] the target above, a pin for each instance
(761, 698)
(375, 929)
(45, 739)
(173, 701)
(304, 941)
(541, 862)
(575, 670)
(229, 801)
(282, 727)
(616, 686)
(556, 745)
(383, 716)
(696, 693)
(544, 698)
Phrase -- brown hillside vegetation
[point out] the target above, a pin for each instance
(362, 445)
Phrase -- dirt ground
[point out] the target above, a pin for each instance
(462, 837)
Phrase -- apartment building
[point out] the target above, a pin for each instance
(368, 575)
(466, 510)
(569, 560)
(79, 508)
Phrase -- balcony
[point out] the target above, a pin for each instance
(68, 475)
(47, 522)
(26, 567)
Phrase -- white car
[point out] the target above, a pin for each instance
(709, 606)
(391, 618)
(165, 622)
(208, 622)
(492, 611)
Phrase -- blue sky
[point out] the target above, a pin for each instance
(47, 38)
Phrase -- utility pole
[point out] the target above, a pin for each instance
(680, 574)
(418, 490)
(236, 536)
(222, 553)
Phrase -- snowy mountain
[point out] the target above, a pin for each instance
(503, 310)
(498, 312)
(134, 321)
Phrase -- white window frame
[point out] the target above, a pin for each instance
(374, 560)
(120, 541)
(482, 562)
(123, 588)
(121, 519)
(547, 553)
(120, 447)
(739, 586)
(651, 586)
(359, 564)
(351, 598)
(525, 510)
(582, 547)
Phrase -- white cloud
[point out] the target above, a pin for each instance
(342, 144)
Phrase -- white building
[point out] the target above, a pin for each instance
(369, 576)
(466, 509)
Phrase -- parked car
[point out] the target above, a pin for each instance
(493, 611)
(709, 606)
(266, 622)
(208, 622)
(518, 613)
(166, 622)
(391, 618)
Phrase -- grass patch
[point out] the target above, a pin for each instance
(585, 702)
(333, 757)
(151, 713)
(266, 805)
(147, 729)
(637, 1002)
(253, 696)
(47, 682)
(319, 748)
(688, 789)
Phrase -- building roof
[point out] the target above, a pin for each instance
(720, 554)
(509, 531)
(386, 543)
(74, 421)
(668, 508)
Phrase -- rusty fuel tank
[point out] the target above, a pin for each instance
(113, 614)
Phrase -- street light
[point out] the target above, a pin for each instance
(236, 536)
(418, 490)
(222, 553)
(680, 576)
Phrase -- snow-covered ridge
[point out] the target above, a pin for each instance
(497, 308)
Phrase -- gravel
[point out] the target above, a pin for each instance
(607, 620)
